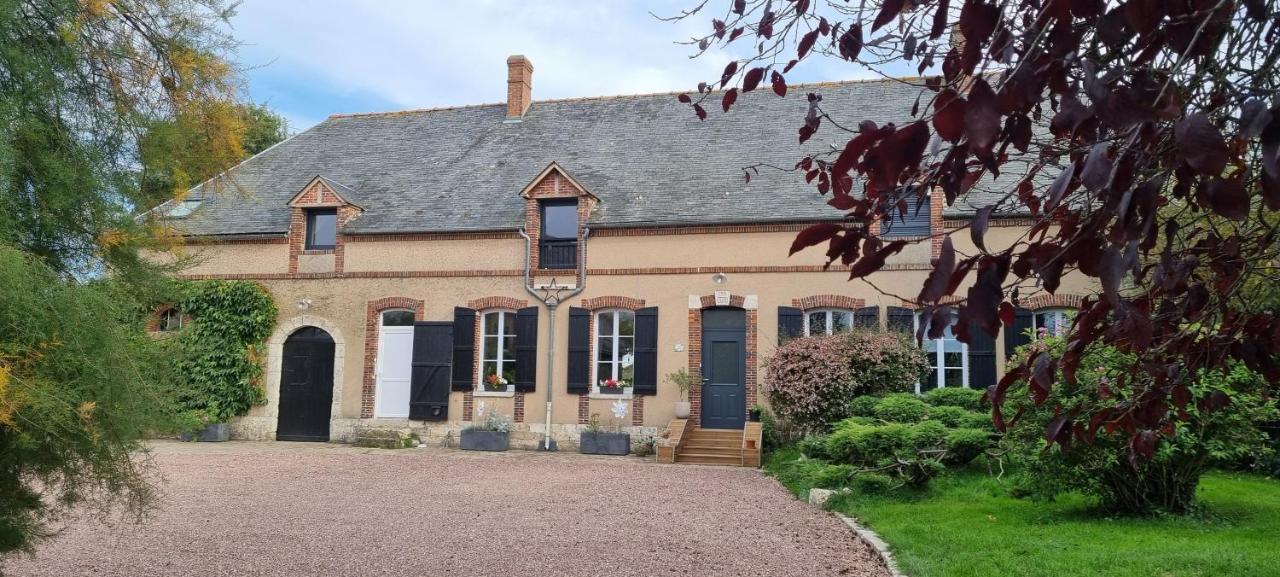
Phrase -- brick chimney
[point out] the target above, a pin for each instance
(519, 86)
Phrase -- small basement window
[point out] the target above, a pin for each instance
(558, 245)
(322, 229)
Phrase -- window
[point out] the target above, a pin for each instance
(827, 321)
(397, 318)
(183, 208)
(498, 351)
(1055, 322)
(170, 321)
(948, 358)
(322, 229)
(615, 351)
(558, 245)
(916, 220)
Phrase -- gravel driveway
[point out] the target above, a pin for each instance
(314, 509)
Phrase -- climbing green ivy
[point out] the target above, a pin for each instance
(219, 355)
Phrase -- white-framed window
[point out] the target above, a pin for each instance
(948, 358)
(615, 352)
(498, 351)
(1055, 322)
(171, 321)
(827, 321)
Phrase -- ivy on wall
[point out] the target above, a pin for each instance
(219, 356)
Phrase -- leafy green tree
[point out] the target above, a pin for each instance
(80, 383)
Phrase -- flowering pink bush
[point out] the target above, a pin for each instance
(810, 381)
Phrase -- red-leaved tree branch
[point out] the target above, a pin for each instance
(1144, 141)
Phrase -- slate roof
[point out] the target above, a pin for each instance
(647, 157)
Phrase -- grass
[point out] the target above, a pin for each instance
(966, 525)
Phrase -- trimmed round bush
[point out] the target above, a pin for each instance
(978, 420)
(833, 476)
(970, 399)
(964, 445)
(814, 447)
(949, 416)
(928, 435)
(813, 382)
(901, 408)
(864, 406)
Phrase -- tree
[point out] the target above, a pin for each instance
(1144, 140)
(80, 383)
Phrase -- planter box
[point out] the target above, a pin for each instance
(473, 440)
(215, 433)
(604, 444)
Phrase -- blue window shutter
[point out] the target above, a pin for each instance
(790, 323)
(579, 377)
(464, 348)
(527, 349)
(646, 352)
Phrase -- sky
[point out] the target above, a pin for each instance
(308, 59)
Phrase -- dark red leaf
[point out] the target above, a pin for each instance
(730, 97)
(813, 235)
(1059, 431)
(1041, 378)
(935, 287)
(874, 261)
(806, 44)
(889, 9)
(1059, 188)
(981, 118)
(739, 6)
(729, 70)
(735, 34)
(779, 83)
(752, 79)
(684, 98)
(939, 20)
(948, 115)
(1007, 314)
(1097, 168)
(850, 43)
(1228, 198)
(702, 114)
(978, 226)
(1200, 144)
(789, 66)
(1254, 117)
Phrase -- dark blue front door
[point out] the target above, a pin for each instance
(724, 368)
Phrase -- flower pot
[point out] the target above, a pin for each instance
(682, 409)
(473, 440)
(754, 415)
(212, 433)
(612, 390)
(604, 443)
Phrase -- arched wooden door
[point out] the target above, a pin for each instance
(306, 386)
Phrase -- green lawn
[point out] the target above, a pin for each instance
(967, 525)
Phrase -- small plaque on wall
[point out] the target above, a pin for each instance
(722, 298)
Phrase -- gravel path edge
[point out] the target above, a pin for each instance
(873, 539)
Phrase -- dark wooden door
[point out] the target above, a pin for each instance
(432, 364)
(306, 386)
(724, 368)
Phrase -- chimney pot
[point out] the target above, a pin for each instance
(519, 86)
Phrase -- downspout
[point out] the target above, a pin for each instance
(551, 303)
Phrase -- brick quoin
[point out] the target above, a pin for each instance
(372, 330)
(637, 411)
(517, 412)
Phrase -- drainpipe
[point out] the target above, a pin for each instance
(551, 301)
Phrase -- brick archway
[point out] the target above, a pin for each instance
(698, 303)
(373, 314)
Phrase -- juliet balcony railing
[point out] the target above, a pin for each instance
(558, 253)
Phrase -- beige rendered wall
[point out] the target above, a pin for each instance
(458, 271)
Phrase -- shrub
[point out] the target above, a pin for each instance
(964, 445)
(814, 447)
(1210, 434)
(814, 381)
(911, 453)
(864, 406)
(975, 420)
(833, 476)
(872, 483)
(970, 399)
(928, 435)
(220, 354)
(949, 416)
(901, 408)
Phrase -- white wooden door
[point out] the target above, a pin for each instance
(394, 368)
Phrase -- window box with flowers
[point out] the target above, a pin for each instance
(615, 387)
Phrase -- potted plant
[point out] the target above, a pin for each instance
(201, 427)
(491, 433)
(755, 413)
(684, 382)
(614, 386)
(495, 383)
(609, 439)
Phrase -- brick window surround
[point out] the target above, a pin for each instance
(828, 302)
(481, 306)
(748, 303)
(153, 320)
(372, 329)
(600, 304)
(317, 194)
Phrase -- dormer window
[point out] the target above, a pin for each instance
(322, 229)
(916, 221)
(558, 245)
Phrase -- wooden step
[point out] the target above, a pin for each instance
(717, 441)
(708, 459)
(718, 432)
